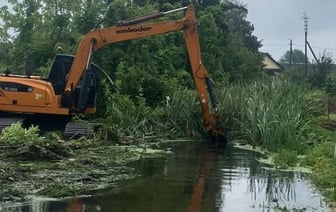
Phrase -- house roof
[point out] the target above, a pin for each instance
(270, 63)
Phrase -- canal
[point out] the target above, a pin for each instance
(196, 178)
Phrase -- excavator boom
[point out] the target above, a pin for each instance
(135, 29)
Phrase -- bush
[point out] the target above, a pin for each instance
(27, 144)
(330, 85)
(324, 176)
(322, 150)
(16, 134)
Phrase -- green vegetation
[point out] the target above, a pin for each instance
(16, 134)
(285, 158)
(127, 121)
(322, 158)
(58, 168)
(20, 143)
(154, 96)
(297, 55)
(269, 114)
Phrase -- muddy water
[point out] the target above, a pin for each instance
(197, 178)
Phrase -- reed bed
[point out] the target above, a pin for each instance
(265, 113)
(177, 116)
(270, 114)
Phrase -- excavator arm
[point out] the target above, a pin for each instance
(135, 29)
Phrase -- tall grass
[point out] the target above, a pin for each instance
(267, 113)
(177, 116)
(182, 112)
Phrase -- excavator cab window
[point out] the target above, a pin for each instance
(85, 93)
(58, 72)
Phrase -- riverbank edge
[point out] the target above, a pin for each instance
(267, 158)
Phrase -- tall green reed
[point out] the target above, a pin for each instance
(182, 112)
(176, 116)
(267, 113)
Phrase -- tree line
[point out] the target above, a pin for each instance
(36, 30)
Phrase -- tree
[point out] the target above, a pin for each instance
(5, 47)
(320, 72)
(24, 19)
(298, 57)
(239, 26)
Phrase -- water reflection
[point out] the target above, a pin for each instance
(196, 178)
(76, 205)
(243, 184)
(208, 162)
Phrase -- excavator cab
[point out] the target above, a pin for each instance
(85, 93)
(58, 72)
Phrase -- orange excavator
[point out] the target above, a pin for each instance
(71, 85)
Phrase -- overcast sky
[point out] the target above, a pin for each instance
(277, 21)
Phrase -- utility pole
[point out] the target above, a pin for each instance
(290, 52)
(305, 18)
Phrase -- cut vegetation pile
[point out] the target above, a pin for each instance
(48, 166)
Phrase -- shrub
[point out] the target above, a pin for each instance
(322, 150)
(16, 134)
(324, 176)
(27, 144)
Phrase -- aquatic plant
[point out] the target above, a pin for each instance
(267, 113)
(285, 158)
(182, 112)
(127, 120)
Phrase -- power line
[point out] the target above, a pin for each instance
(316, 47)
(278, 44)
(282, 46)
(319, 47)
(298, 44)
(276, 49)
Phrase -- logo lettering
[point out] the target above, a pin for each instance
(129, 30)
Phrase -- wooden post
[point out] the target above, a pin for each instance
(335, 149)
(334, 145)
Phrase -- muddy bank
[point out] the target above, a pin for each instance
(67, 168)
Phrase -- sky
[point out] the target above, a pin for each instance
(278, 21)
